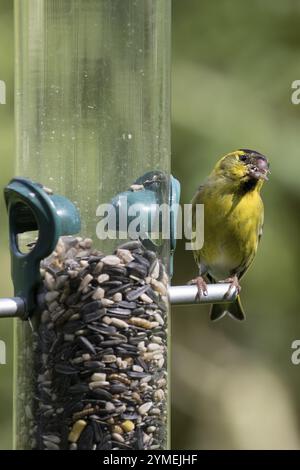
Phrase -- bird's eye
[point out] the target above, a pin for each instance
(243, 158)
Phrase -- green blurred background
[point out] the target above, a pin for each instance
(233, 385)
(6, 169)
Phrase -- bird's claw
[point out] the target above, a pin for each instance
(201, 285)
(234, 284)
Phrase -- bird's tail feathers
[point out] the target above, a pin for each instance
(234, 310)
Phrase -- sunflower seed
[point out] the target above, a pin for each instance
(111, 260)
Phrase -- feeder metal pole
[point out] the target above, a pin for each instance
(179, 295)
(12, 307)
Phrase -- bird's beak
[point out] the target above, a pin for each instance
(259, 169)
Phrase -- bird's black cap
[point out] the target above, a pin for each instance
(253, 152)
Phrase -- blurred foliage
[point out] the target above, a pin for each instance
(6, 169)
(233, 385)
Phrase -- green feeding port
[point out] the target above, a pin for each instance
(93, 117)
(145, 208)
(49, 216)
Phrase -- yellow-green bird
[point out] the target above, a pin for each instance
(233, 222)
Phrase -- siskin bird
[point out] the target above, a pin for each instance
(233, 222)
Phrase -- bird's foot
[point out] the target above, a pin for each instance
(201, 285)
(234, 284)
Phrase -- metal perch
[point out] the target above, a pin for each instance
(178, 295)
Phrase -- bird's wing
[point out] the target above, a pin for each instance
(197, 199)
(261, 227)
(248, 263)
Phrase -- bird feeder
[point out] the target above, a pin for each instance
(92, 128)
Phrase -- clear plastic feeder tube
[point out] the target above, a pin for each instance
(92, 116)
